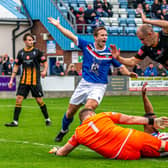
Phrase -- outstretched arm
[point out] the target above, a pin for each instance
(63, 151)
(160, 23)
(64, 31)
(132, 61)
(125, 71)
(160, 123)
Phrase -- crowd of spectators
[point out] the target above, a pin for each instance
(151, 70)
(158, 10)
(6, 65)
(92, 13)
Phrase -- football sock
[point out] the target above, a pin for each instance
(17, 112)
(44, 110)
(66, 122)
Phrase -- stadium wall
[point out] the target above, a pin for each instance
(6, 38)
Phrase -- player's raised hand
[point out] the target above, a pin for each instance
(143, 16)
(161, 122)
(144, 89)
(55, 22)
(114, 51)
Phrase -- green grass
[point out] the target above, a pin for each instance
(27, 146)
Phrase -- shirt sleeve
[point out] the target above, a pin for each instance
(73, 141)
(82, 43)
(41, 57)
(116, 63)
(115, 117)
(18, 60)
(141, 54)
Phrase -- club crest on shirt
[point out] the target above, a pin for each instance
(158, 52)
(27, 57)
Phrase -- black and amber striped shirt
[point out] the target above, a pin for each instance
(30, 61)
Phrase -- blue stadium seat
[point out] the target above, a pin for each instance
(131, 31)
(131, 13)
(114, 31)
(131, 22)
(123, 22)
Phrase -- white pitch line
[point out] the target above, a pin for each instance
(49, 145)
(38, 144)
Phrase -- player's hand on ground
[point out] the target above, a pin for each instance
(55, 22)
(54, 150)
(114, 51)
(161, 122)
(144, 89)
(133, 75)
(10, 84)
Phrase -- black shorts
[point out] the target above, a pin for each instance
(36, 90)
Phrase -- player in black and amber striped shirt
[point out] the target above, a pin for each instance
(30, 59)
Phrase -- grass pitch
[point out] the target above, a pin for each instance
(27, 146)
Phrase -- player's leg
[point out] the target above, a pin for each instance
(44, 111)
(22, 93)
(78, 98)
(66, 121)
(37, 93)
(95, 95)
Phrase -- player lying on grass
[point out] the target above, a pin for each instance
(149, 113)
(101, 134)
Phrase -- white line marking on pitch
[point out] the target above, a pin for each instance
(38, 144)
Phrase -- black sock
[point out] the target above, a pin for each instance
(17, 113)
(44, 111)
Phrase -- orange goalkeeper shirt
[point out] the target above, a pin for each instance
(101, 134)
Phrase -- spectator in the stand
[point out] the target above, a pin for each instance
(161, 71)
(81, 24)
(80, 72)
(11, 62)
(1, 65)
(80, 12)
(72, 70)
(57, 69)
(150, 70)
(136, 2)
(156, 9)
(107, 8)
(89, 14)
(9, 70)
(97, 23)
(96, 4)
(147, 11)
(100, 12)
(5, 63)
(137, 69)
(138, 9)
(73, 12)
(164, 5)
(164, 15)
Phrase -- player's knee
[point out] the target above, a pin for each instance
(92, 106)
(19, 99)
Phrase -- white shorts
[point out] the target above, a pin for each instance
(86, 90)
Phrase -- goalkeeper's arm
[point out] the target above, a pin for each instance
(63, 151)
